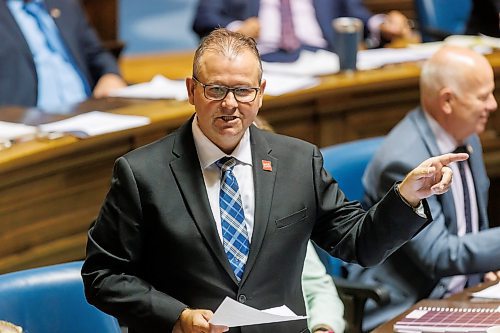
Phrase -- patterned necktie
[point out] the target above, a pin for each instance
(289, 41)
(472, 279)
(467, 206)
(234, 231)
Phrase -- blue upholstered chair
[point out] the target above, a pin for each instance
(346, 162)
(51, 300)
(438, 19)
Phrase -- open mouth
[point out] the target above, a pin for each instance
(228, 118)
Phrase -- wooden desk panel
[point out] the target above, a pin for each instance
(50, 191)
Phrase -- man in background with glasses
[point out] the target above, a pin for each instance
(220, 208)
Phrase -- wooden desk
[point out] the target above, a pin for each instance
(460, 300)
(50, 191)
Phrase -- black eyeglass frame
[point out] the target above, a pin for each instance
(228, 89)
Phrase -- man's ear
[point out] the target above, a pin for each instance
(190, 86)
(261, 92)
(445, 100)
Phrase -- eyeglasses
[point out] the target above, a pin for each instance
(216, 92)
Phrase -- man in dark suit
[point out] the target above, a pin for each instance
(220, 208)
(37, 73)
(312, 22)
(456, 88)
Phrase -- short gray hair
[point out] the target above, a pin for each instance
(227, 43)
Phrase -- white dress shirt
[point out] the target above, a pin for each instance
(208, 154)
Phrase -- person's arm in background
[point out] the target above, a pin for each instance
(324, 306)
(379, 28)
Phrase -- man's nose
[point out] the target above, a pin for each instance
(230, 101)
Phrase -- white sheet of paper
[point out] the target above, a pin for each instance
(231, 313)
(492, 292)
(310, 63)
(95, 123)
(279, 84)
(159, 87)
(376, 58)
(13, 131)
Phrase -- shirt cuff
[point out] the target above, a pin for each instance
(419, 210)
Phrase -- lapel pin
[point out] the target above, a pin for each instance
(55, 12)
(470, 150)
(266, 165)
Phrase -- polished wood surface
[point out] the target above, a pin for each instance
(406, 7)
(51, 190)
(460, 300)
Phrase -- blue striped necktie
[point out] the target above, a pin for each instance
(234, 230)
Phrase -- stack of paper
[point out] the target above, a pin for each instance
(95, 123)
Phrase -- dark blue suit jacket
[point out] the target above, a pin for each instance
(219, 13)
(18, 81)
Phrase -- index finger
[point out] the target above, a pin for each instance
(452, 157)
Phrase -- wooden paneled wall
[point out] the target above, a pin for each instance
(384, 6)
(103, 15)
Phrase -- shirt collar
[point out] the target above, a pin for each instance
(209, 153)
(445, 142)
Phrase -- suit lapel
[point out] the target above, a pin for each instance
(264, 179)
(187, 172)
(446, 199)
(324, 13)
(253, 8)
(10, 30)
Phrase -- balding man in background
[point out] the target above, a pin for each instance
(456, 88)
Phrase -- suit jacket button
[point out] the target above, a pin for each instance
(242, 299)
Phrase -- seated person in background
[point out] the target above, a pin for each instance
(309, 24)
(456, 92)
(324, 307)
(50, 57)
(484, 18)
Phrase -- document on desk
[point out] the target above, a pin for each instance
(279, 84)
(158, 88)
(376, 58)
(309, 63)
(95, 123)
(492, 292)
(15, 131)
(233, 314)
